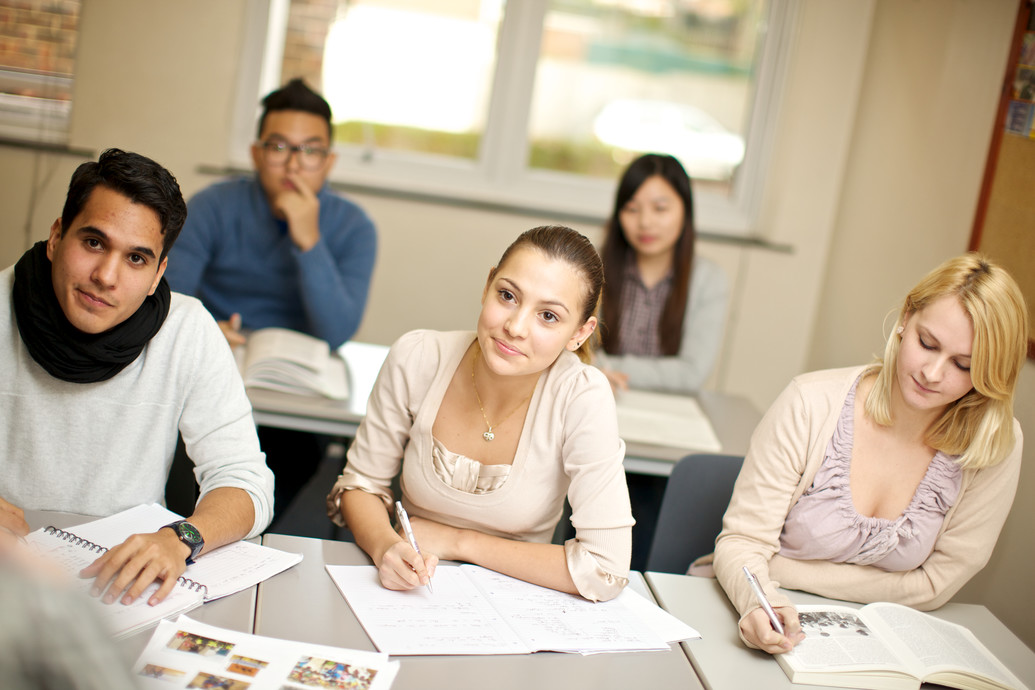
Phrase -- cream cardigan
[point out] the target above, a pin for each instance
(569, 446)
(786, 451)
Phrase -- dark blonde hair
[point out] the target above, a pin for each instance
(563, 243)
(979, 426)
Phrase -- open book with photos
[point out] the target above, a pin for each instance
(292, 362)
(890, 646)
(190, 654)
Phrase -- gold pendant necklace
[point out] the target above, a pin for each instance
(489, 435)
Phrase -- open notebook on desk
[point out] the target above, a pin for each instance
(665, 420)
(474, 610)
(216, 574)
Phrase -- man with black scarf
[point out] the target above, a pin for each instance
(102, 367)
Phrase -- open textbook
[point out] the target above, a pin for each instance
(188, 654)
(285, 360)
(216, 574)
(474, 610)
(890, 646)
(665, 419)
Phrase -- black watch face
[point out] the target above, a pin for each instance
(188, 532)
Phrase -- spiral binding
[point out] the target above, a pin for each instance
(76, 540)
(193, 585)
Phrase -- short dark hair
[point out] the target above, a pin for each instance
(295, 95)
(136, 177)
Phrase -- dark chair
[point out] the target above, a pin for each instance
(690, 519)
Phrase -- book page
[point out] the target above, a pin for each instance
(113, 530)
(940, 645)
(288, 345)
(550, 620)
(455, 619)
(837, 639)
(293, 362)
(237, 566)
(663, 419)
(189, 654)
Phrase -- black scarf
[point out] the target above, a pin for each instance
(62, 349)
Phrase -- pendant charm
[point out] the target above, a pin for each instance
(488, 435)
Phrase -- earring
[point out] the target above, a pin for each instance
(899, 330)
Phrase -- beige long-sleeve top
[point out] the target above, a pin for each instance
(786, 450)
(569, 446)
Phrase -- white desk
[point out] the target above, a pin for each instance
(724, 663)
(236, 611)
(733, 418)
(303, 604)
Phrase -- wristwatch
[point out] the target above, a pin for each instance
(190, 536)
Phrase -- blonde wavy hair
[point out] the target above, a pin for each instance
(979, 426)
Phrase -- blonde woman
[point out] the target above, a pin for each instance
(887, 482)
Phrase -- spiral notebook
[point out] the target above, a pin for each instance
(216, 574)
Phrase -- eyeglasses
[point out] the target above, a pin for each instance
(309, 157)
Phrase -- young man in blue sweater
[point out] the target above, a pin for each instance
(280, 248)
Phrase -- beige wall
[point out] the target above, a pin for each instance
(887, 116)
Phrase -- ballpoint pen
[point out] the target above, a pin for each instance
(763, 602)
(404, 520)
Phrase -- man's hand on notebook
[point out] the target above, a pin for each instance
(130, 567)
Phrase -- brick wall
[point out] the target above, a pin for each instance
(38, 36)
(308, 23)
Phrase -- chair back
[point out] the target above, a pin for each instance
(696, 496)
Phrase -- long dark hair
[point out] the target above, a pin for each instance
(617, 250)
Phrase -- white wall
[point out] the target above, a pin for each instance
(888, 111)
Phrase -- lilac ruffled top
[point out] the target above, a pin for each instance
(824, 525)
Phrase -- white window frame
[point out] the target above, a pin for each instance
(500, 175)
(30, 119)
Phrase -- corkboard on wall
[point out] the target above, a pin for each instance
(1008, 235)
(1004, 224)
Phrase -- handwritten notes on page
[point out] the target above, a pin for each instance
(477, 611)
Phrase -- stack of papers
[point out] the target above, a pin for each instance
(474, 610)
(284, 360)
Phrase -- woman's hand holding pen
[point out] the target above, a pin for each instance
(401, 567)
(758, 630)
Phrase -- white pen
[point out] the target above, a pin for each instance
(763, 602)
(404, 520)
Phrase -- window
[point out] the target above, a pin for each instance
(537, 104)
(37, 57)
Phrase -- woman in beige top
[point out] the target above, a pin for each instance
(889, 482)
(493, 429)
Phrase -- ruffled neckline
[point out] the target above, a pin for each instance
(936, 492)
